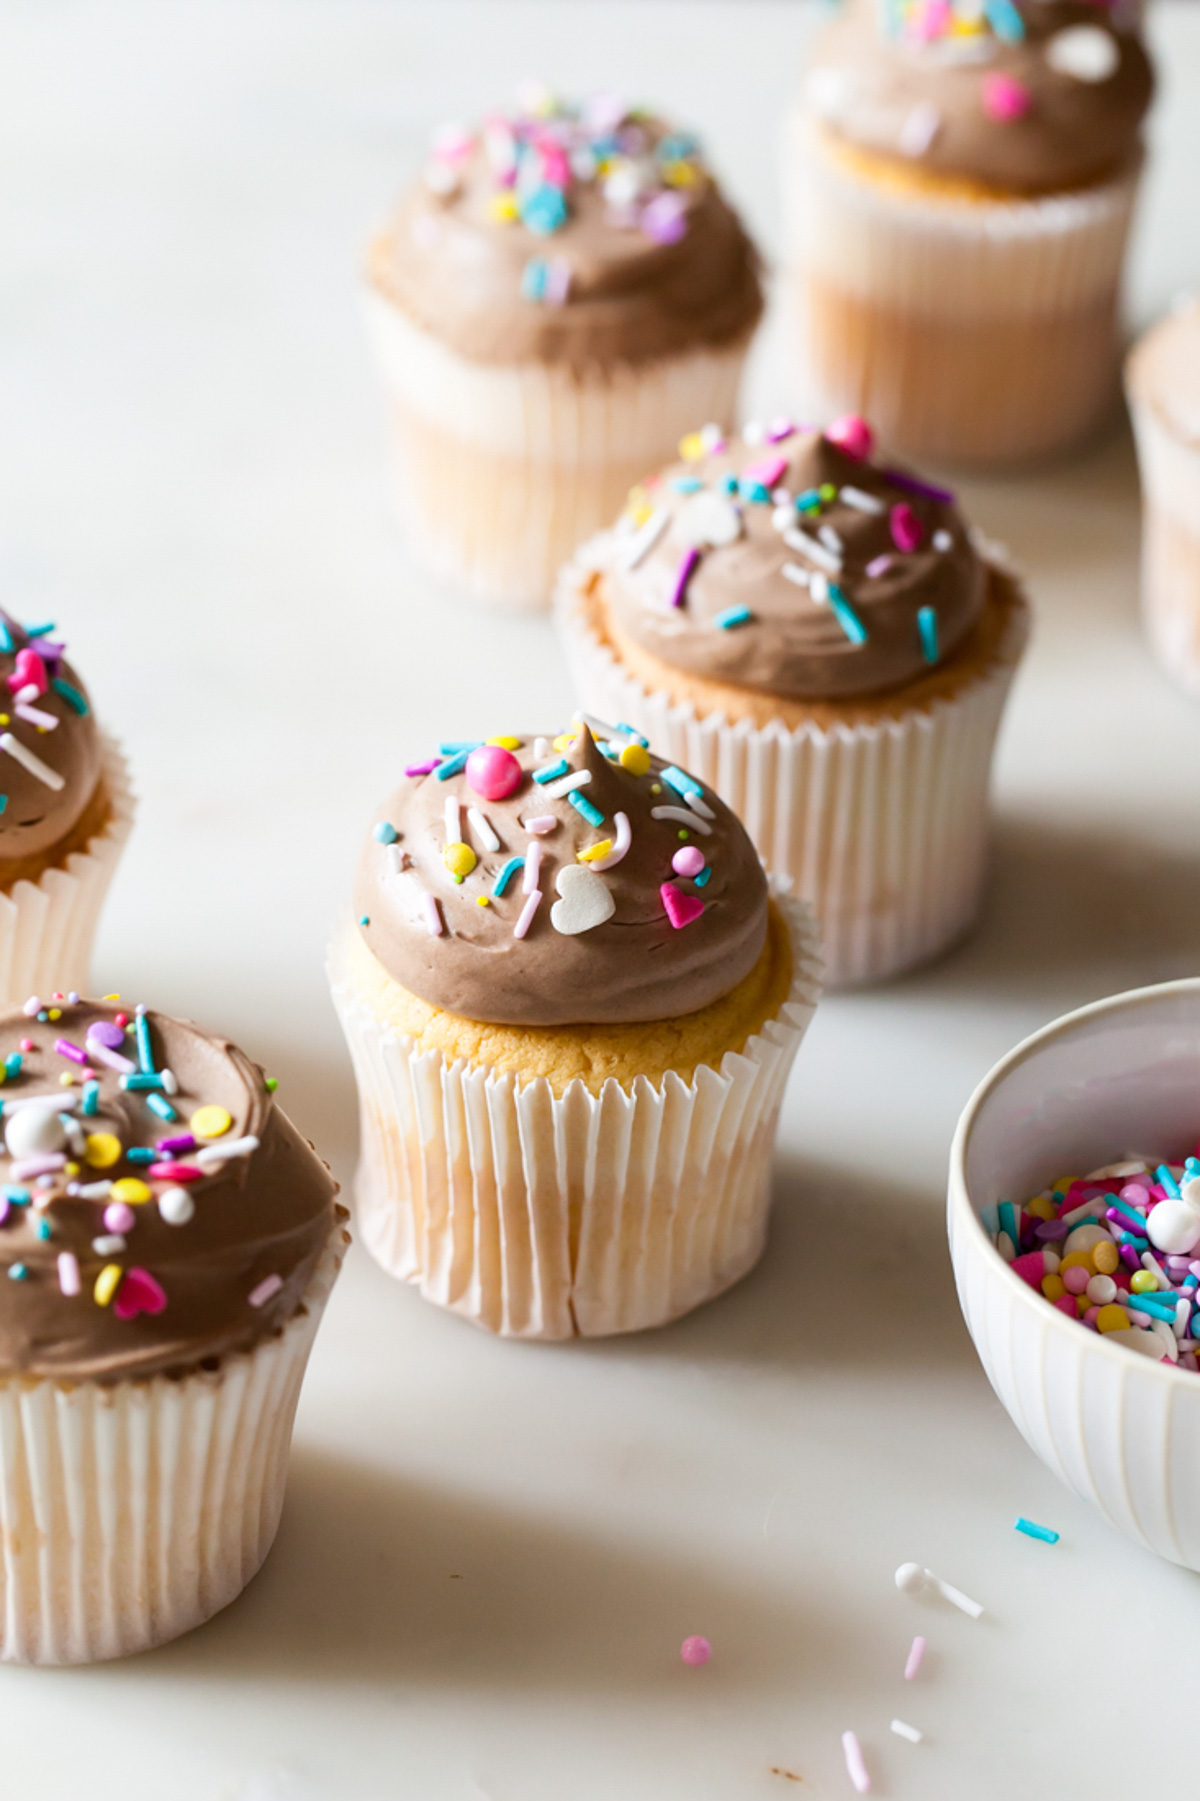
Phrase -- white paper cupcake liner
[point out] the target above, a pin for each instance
(132, 1512)
(983, 331)
(503, 470)
(48, 927)
(1170, 471)
(883, 826)
(539, 1216)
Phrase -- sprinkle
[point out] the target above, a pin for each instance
(481, 826)
(25, 1168)
(919, 130)
(682, 817)
(211, 1121)
(106, 1284)
(639, 546)
(689, 787)
(911, 1579)
(39, 631)
(550, 772)
(384, 832)
(846, 617)
(681, 909)
(927, 626)
(569, 783)
(506, 875)
(145, 1051)
(768, 473)
(68, 1273)
(433, 917)
(733, 616)
(459, 859)
(624, 840)
(583, 805)
(71, 695)
(593, 851)
(855, 1767)
(914, 1659)
(911, 1733)
(33, 764)
(415, 769)
(545, 822)
(12, 1064)
(943, 541)
(695, 1651)
(451, 817)
(527, 912)
(912, 485)
(792, 572)
(176, 1206)
(91, 1097)
(17, 1272)
(1166, 1180)
(65, 1048)
(157, 1103)
(860, 500)
(683, 576)
(1031, 1530)
(452, 765)
(45, 722)
(907, 530)
(100, 1053)
(878, 566)
(266, 1290)
(218, 1153)
(814, 551)
(533, 864)
(686, 484)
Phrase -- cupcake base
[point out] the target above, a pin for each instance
(132, 1512)
(48, 923)
(503, 471)
(878, 817)
(547, 1215)
(968, 329)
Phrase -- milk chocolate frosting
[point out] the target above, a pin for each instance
(207, 1256)
(579, 236)
(1024, 96)
(794, 568)
(49, 744)
(674, 921)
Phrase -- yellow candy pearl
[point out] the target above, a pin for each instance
(1143, 1283)
(1053, 1287)
(635, 758)
(459, 859)
(101, 1150)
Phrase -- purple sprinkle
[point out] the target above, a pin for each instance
(781, 429)
(3, 1210)
(912, 485)
(1051, 1228)
(103, 1031)
(684, 575)
(1130, 1258)
(65, 1048)
(665, 218)
(184, 1142)
(878, 566)
(423, 768)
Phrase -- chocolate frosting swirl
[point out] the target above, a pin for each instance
(798, 581)
(947, 104)
(604, 944)
(50, 755)
(577, 237)
(229, 1261)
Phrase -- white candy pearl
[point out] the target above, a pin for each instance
(176, 1206)
(1174, 1227)
(1086, 52)
(1101, 1290)
(34, 1131)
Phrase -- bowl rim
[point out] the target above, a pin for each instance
(959, 1198)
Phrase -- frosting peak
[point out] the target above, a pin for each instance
(573, 881)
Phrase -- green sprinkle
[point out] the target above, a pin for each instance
(271, 1084)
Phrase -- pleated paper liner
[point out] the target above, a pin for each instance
(980, 332)
(1170, 470)
(543, 1216)
(882, 825)
(132, 1512)
(48, 927)
(502, 471)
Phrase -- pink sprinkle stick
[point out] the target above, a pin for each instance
(545, 822)
(855, 1767)
(26, 1167)
(527, 912)
(914, 1659)
(99, 1053)
(683, 576)
(878, 566)
(433, 918)
(65, 1048)
(68, 1272)
(533, 863)
(269, 1286)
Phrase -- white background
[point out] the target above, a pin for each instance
(491, 1552)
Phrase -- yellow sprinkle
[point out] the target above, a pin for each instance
(66, 1080)
(54, 1013)
(72, 1169)
(459, 859)
(1053, 1287)
(635, 758)
(680, 175)
(209, 1122)
(106, 1284)
(595, 850)
(656, 787)
(4, 719)
(131, 1189)
(483, 900)
(101, 1150)
(503, 208)
(691, 448)
(565, 740)
(506, 743)
(112, 997)
(1041, 1208)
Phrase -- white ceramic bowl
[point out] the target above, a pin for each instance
(1119, 1077)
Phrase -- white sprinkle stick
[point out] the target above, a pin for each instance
(217, 1153)
(684, 817)
(433, 917)
(398, 859)
(600, 728)
(68, 1272)
(94, 1191)
(792, 572)
(266, 1290)
(624, 839)
(100, 1053)
(545, 822)
(911, 1579)
(831, 541)
(903, 1730)
(453, 821)
(35, 716)
(540, 747)
(568, 784)
(862, 503)
(645, 538)
(34, 765)
(816, 553)
(527, 912)
(482, 828)
(914, 1658)
(856, 1769)
(533, 863)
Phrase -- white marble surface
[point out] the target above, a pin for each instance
(491, 1553)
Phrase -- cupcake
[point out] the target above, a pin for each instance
(170, 1242)
(563, 292)
(65, 813)
(962, 176)
(820, 637)
(572, 1003)
(1163, 381)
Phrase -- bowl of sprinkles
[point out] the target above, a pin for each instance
(167, 1244)
(1074, 1219)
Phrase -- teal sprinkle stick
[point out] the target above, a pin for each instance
(6, 639)
(91, 1098)
(1031, 1530)
(1168, 1181)
(40, 631)
(145, 1050)
(845, 615)
(17, 1272)
(453, 764)
(703, 879)
(928, 627)
(12, 1064)
(681, 782)
(142, 1153)
(551, 771)
(452, 747)
(592, 814)
(506, 875)
(71, 695)
(158, 1103)
(3, 802)
(148, 1081)
(733, 616)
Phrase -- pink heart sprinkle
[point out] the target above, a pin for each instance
(907, 530)
(769, 471)
(138, 1293)
(853, 435)
(1004, 99)
(681, 908)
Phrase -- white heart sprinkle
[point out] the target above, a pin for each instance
(707, 520)
(586, 901)
(1087, 52)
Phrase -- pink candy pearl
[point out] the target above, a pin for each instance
(118, 1217)
(907, 530)
(1005, 100)
(688, 861)
(1076, 1279)
(853, 435)
(695, 1650)
(492, 772)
